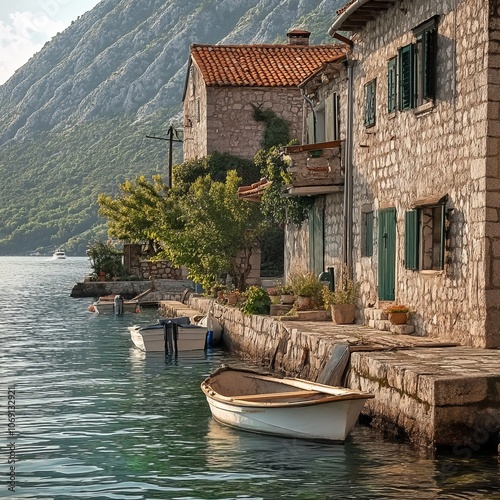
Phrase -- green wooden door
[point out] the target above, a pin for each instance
(386, 253)
(316, 240)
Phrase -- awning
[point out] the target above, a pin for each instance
(430, 201)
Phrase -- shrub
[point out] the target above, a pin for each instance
(257, 301)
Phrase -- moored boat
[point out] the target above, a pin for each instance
(287, 407)
(113, 304)
(170, 335)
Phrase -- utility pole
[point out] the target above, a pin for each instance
(171, 140)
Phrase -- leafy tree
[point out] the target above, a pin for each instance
(133, 216)
(218, 234)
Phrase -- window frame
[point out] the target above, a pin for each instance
(425, 235)
(417, 67)
(370, 103)
(392, 84)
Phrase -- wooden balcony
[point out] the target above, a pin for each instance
(315, 168)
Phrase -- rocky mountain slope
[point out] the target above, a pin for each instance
(74, 118)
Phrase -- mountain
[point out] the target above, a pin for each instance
(74, 118)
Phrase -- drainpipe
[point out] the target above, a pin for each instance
(348, 187)
(311, 105)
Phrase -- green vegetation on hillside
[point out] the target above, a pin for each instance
(58, 176)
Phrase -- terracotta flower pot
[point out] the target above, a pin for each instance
(232, 298)
(398, 318)
(343, 314)
(303, 303)
(287, 299)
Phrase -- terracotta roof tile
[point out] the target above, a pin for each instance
(262, 65)
(345, 7)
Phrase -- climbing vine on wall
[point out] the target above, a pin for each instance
(277, 129)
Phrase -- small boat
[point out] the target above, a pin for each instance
(114, 304)
(287, 407)
(59, 254)
(169, 335)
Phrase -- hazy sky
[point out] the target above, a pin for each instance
(25, 26)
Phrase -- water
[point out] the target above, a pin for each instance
(97, 419)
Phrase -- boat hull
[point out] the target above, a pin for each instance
(330, 422)
(152, 339)
(287, 407)
(108, 307)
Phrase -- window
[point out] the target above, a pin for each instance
(391, 84)
(425, 230)
(370, 103)
(417, 67)
(191, 79)
(367, 231)
(324, 124)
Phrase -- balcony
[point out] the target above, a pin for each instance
(316, 169)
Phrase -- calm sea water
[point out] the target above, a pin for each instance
(97, 419)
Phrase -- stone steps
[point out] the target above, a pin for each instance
(376, 318)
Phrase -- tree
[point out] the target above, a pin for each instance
(219, 231)
(135, 214)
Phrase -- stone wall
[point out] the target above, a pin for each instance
(451, 147)
(427, 152)
(221, 118)
(161, 270)
(492, 180)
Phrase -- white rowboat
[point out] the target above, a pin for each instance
(282, 406)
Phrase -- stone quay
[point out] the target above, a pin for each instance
(433, 394)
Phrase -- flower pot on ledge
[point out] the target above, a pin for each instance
(287, 299)
(343, 314)
(398, 318)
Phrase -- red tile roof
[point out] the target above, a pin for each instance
(262, 65)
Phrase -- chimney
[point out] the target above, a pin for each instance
(298, 37)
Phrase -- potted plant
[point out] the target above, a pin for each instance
(308, 290)
(286, 294)
(398, 314)
(342, 301)
(274, 295)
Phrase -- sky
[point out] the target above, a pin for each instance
(25, 26)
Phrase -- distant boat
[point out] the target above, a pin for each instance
(59, 254)
(287, 407)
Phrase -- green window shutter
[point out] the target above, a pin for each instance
(369, 234)
(391, 85)
(411, 239)
(370, 103)
(407, 77)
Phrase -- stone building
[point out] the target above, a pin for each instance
(225, 82)
(417, 119)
